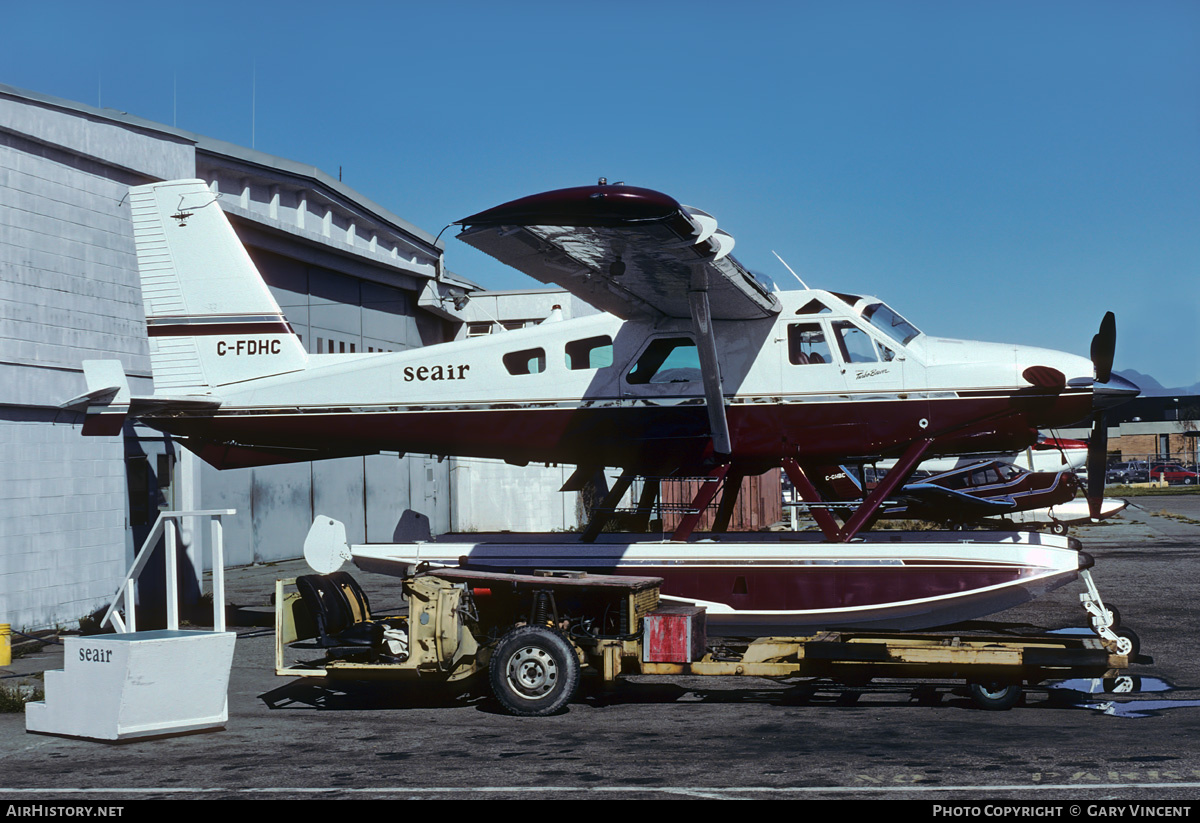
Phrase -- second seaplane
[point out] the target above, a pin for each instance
(694, 369)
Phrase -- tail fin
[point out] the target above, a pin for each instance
(210, 317)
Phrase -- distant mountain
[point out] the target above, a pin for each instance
(1152, 388)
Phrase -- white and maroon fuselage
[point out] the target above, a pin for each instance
(530, 396)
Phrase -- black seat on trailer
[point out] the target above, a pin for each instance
(340, 609)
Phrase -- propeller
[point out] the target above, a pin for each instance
(1104, 347)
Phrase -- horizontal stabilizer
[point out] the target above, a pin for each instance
(106, 401)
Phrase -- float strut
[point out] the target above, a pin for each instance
(729, 496)
(866, 510)
(700, 502)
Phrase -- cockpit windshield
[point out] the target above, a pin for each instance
(887, 321)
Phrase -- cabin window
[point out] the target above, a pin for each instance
(529, 361)
(986, 476)
(855, 344)
(590, 353)
(807, 345)
(667, 360)
(955, 481)
(813, 306)
(478, 329)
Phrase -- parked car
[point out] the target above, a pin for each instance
(1131, 472)
(1174, 474)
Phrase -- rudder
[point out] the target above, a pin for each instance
(210, 317)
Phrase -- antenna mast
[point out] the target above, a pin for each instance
(789, 268)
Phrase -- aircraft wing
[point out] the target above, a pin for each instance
(628, 251)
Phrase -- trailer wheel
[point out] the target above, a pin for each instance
(996, 697)
(534, 671)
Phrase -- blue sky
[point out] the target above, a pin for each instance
(994, 170)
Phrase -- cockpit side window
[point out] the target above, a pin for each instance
(1008, 472)
(807, 344)
(856, 345)
(667, 360)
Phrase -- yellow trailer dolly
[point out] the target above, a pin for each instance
(537, 633)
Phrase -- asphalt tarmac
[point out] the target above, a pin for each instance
(702, 738)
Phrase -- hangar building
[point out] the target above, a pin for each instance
(349, 275)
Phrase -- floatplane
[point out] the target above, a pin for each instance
(694, 369)
(963, 496)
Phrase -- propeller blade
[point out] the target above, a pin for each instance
(1107, 391)
(1104, 347)
(1097, 464)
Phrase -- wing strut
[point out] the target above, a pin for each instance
(710, 367)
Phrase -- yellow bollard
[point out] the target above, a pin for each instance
(5, 644)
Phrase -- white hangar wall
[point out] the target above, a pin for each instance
(346, 271)
(68, 292)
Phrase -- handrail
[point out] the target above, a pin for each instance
(167, 523)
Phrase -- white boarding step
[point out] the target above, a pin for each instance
(137, 684)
